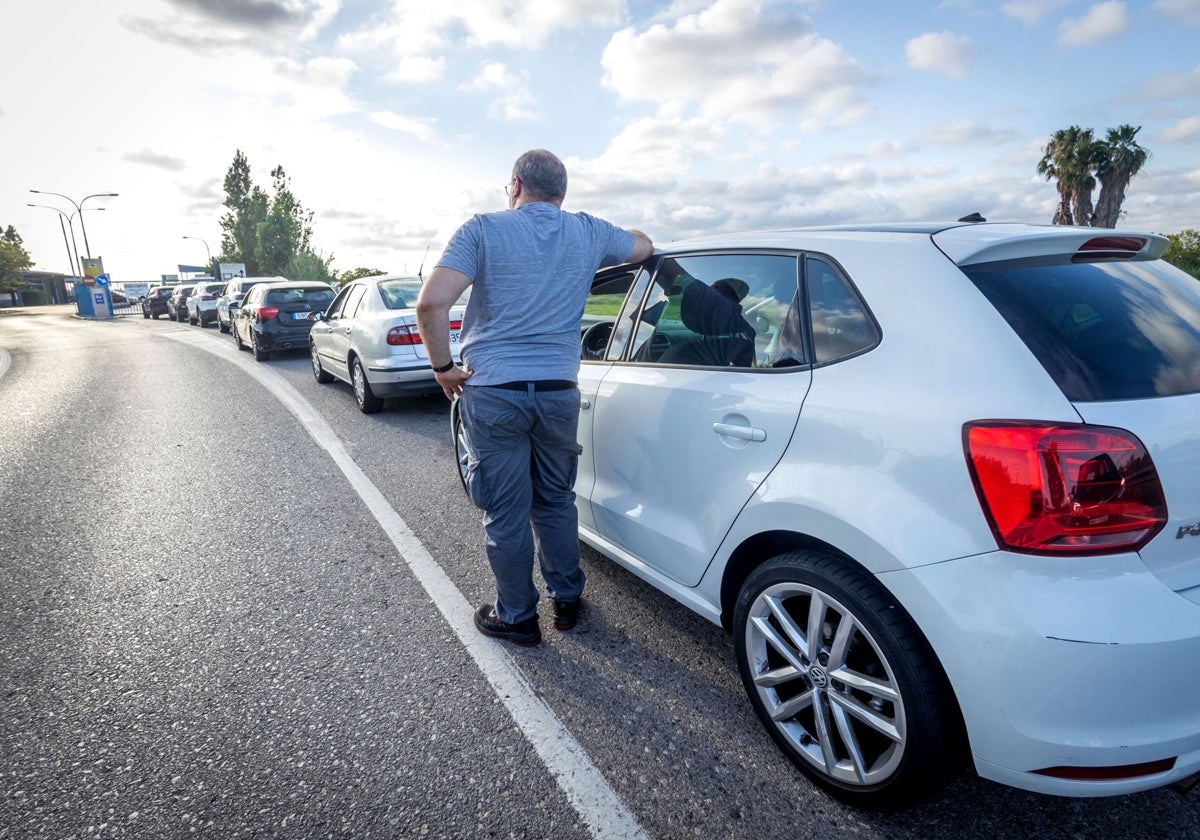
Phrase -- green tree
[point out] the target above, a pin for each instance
(14, 260)
(247, 205)
(287, 229)
(1121, 159)
(1069, 158)
(311, 267)
(1184, 251)
(1076, 161)
(355, 273)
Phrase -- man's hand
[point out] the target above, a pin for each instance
(452, 381)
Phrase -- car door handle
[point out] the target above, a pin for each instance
(743, 432)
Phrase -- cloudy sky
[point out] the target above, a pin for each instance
(398, 119)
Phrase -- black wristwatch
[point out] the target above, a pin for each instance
(444, 367)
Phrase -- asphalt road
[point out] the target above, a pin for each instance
(207, 628)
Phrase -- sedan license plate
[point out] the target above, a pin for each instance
(303, 316)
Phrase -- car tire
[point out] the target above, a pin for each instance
(145, 314)
(319, 373)
(260, 355)
(365, 398)
(865, 711)
(223, 327)
(237, 338)
(460, 444)
(155, 316)
(193, 321)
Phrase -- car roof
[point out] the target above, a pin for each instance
(965, 243)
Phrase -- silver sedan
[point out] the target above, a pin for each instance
(368, 337)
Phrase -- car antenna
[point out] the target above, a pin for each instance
(420, 271)
(974, 217)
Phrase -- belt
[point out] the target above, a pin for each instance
(538, 385)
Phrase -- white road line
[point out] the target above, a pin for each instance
(597, 804)
(5, 361)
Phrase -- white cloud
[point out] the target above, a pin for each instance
(1101, 23)
(1172, 85)
(423, 128)
(734, 60)
(515, 101)
(1032, 12)
(968, 134)
(940, 52)
(1187, 11)
(1184, 131)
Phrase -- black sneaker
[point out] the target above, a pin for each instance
(566, 614)
(525, 633)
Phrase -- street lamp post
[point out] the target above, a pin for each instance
(206, 251)
(79, 209)
(76, 264)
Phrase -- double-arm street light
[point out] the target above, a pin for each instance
(65, 221)
(79, 209)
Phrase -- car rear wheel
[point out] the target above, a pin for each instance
(260, 355)
(319, 372)
(368, 403)
(237, 338)
(145, 314)
(844, 682)
(221, 325)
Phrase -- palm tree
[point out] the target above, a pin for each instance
(1122, 158)
(1069, 157)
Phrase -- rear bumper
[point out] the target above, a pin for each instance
(1057, 662)
(281, 339)
(395, 378)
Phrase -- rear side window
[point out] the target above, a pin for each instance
(841, 326)
(1103, 331)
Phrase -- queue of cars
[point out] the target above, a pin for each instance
(366, 336)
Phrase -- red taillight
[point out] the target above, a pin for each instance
(1063, 489)
(404, 335)
(456, 325)
(206, 297)
(266, 313)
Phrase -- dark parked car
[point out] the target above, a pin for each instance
(177, 305)
(279, 316)
(155, 301)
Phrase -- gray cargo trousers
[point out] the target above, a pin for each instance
(522, 459)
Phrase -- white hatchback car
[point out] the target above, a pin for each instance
(202, 303)
(939, 481)
(368, 337)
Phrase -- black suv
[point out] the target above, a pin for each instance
(155, 301)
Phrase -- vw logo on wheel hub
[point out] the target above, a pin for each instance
(818, 676)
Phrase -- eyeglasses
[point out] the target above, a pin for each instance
(508, 186)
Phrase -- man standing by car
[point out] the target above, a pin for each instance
(531, 267)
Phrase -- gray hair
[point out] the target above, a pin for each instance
(542, 175)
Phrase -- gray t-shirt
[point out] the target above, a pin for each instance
(531, 269)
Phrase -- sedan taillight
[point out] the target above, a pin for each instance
(1065, 489)
(404, 335)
